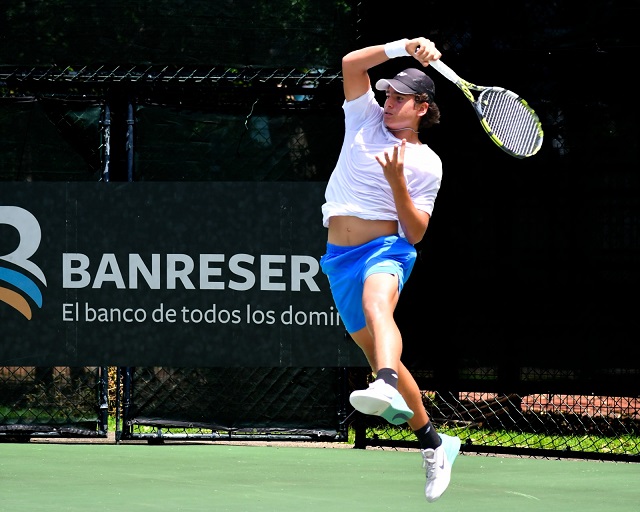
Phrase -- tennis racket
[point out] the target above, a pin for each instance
(508, 119)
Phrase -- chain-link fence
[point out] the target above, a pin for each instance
(305, 404)
(205, 124)
(234, 403)
(54, 401)
(550, 424)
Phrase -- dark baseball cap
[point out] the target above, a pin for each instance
(409, 81)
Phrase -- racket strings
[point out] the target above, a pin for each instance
(515, 126)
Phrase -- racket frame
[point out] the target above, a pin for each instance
(466, 87)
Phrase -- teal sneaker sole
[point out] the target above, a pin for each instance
(398, 411)
(395, 412)
(451, 446)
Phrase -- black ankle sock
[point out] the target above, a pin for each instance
(388, 375)
(428, 437)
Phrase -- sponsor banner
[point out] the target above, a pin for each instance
(171, 274)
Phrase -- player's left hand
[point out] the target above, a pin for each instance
(393, 165)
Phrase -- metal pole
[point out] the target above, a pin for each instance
(130, 122)
(106, 134)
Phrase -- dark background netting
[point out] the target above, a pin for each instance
(165, 32)
(48, 139)
(240, 402)
(64, 401)
(528, 273)
(289, 145)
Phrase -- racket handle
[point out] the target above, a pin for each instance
(445, 70)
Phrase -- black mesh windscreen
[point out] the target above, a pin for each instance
(49, 140)
(525, 262)
(198, 32)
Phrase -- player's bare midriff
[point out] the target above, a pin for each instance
(349, 231)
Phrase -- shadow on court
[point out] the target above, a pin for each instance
(229, 478)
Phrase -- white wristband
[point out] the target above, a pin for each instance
(396, 49)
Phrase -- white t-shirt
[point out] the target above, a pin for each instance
(357, 185)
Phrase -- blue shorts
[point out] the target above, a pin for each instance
(348, 267)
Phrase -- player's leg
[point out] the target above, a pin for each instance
(382, 344)
(439, 451)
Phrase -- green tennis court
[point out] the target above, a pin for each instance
(172, 477)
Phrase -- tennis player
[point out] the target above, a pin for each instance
(379, 200)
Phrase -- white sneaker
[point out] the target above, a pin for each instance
(438, 464)
(382, 399)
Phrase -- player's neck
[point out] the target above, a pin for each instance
(407, 133)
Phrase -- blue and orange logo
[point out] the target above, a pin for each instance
(16, 269)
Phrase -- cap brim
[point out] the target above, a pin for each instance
(384, 84)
